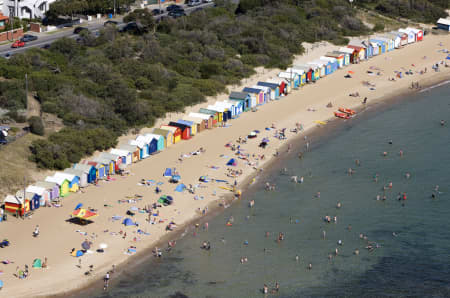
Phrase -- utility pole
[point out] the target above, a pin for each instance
(26, 92)
(114, 8)
(12, 13)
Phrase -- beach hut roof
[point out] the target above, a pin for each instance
(207, 111)
(304, 67)
(225, 104)
(200, 115)
(75, 172)
(251, 90)
(238, 95)
(145, 138)
(415, 30)
(35, 189)
(334, 54)
(84, 167)
(444, 21)
(296, 70)
(263, 88)
(185, 122)
(287, 75)
(193, 119)
(46, 185)
(128, 147)
(102, 160)
(140, 143)
(216, 108)
(357, 43)
(56, 179)
(170, 128)
(268, 84)
(153, 136)
(317, 63)
(331, 59)
(120, 152)
(161, 131)
(67, 176)
(13, 199)
(109, 156)
(346, 50)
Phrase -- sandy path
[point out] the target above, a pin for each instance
(58, 237)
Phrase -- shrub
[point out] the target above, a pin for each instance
(36, 125)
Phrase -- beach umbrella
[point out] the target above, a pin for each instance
(86, 245)
(103, 245)
(84, 214)
(351, 71)
(79, 206)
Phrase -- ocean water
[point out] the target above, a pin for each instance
(412, 235)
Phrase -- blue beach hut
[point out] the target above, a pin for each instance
(158, 139)
(274, 89)
(89, 170)
(242, 97)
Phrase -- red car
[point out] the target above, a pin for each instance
(18, 44)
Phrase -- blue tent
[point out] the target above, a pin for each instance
(232, 162)
(128, 222)
(78, 206)
(180, 187)
(79, 253)
(168, 172)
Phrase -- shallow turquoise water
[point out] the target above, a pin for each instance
(415, 262)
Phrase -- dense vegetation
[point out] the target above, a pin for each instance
(85, 7)
(102, 86)
(425, 11)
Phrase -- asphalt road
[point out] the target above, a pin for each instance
(94, 26)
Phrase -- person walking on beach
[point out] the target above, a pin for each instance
(106, 281)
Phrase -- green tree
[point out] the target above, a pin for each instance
(36, 125)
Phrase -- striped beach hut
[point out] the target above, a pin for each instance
(359, 52)
(114, 158)
(125, 155)
(185, 129)
(80, 174)
(142, 145)
(382, 46)
(319, 68)
(166, 134)
(213, 114)
(192, 125)
(62, 182)
(107, 164)
(74, 180)
(338, 56)
(230, 106)
(266, 90)
(51, 188)
(36, 196)
(350, 52)
(16, 205)
(176, 132)
(243, 97)
(100, 169)
(207, 119)
(223, 115)
(133, 149)
(309, 71)
(284, 86)
(301, 74)
(201, 123)
(274, 89)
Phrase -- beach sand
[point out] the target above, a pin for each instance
(58, 237)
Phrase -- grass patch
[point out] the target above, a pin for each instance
(16, 165)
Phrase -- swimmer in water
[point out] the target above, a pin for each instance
(390, 142)
(400, 153)
(357, 162)
(442, 122)
(296, 258)
(356, 252)
(385, 154)
(310, 266)
(407, 175)
(338, 205)
(324, 234)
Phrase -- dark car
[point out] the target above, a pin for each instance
(28, 37)
(173, 7)
(46, 46)
(156, 12)
(177, 13)
(78, 30)
(110, 23)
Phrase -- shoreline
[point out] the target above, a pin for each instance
(315, 132)
(309, 128)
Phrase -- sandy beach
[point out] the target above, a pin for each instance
(308, 104)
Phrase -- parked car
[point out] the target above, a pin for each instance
(46, 46)
(207, 1)
(156, 12)
(177, 13)
(28, 37)
(18, 44)
(110, 23)
(77, 30)
(173, 7)
(194, 2)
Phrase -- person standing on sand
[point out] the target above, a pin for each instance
(106, 281)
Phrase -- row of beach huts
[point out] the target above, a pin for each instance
(63, 183)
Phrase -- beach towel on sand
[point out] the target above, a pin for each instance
(168, 172)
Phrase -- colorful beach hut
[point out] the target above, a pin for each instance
(90, 171)
(257, 95)
(230, 107)
(283, 85)
(100, 169)
(166, 134)
(403, 37)
(125, 155)
(213, 114)
(207, 119)
(320, 69)
(114, 161)
(35, 194)
(74, 180)
(338, 56)
(142, 145)
(176, 132)
(242, 97)
(62, 182)
(382, 46)
(265, 92)
(346, 57)
(202, 124)
(80, 174)
(411, 35)
(351, 53)
(396, 39)
(157, 140)
(133, 149)
(192, 126)
(51, 187)
(185, 129)
(359, 52)
(417, 32)
(16, 205)
(292, 77)
(223, 115)
(301, 74)
(309, 71)
(274, 89)
(146, 141)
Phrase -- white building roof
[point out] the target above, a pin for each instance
(67, 176)
(296, 70)
(55, 179)
(120, 152)
(444, 21)
(346, 50)
(287, 75)
(217, 108)
(264, 88)
(35, 189)
(145, 138)
(13, 199)
(153, 136)
(328, 59)
(139, 143)
(200, 115)
(193, 119)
